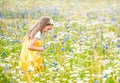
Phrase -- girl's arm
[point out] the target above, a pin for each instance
(32, 47)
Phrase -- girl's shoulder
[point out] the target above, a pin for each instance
(37, 35)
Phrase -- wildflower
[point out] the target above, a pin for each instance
(13, 71)
(44, 64)
(58, 74)
(10, 82)
(18, 26)
(113, 19)
(14, 32)
(2, 34)
(62, 33)
(25, 23)
(6, 68)
(18, 68)
(62, 49)
(96, 81)
(66, 38)
(14, 78)
(3, 53)
(52, 51)
(118, 79)
(104, 62)
(108, 71)
(67, 26)
(101, 18)
(17, 40)
(78, 80)
(93, 56)
(50, 70)
(119, 46)
(39, 75)
(119, 63)
(55, 63)
(44, 47)
(95, 46)
(36, 75)
(2, 65)
(104, 77)
(21, 72)
(62, 69)
(18, 80)
(74, 75)
(68, 64)
(70, 50)
(86, 79)
(64, 79)
(54, 36)
(30, 68)
(54, 77)
(106, 47)
(57, 70)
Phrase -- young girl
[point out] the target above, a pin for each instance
(30, 60)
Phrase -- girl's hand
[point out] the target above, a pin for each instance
(32, 47)
(42, 49)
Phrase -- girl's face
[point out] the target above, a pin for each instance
(46, 28)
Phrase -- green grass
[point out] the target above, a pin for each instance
(84, 43)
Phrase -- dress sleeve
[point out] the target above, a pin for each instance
(37, 35)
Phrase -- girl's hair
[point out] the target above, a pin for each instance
(44, 21)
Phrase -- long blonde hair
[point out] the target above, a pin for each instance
(44, 21)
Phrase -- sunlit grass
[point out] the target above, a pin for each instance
(83, 47)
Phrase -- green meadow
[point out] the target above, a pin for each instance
(83, 46)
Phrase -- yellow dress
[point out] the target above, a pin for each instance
(30, 61)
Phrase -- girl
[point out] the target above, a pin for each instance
(30, 60)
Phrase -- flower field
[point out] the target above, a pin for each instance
(83, 46)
